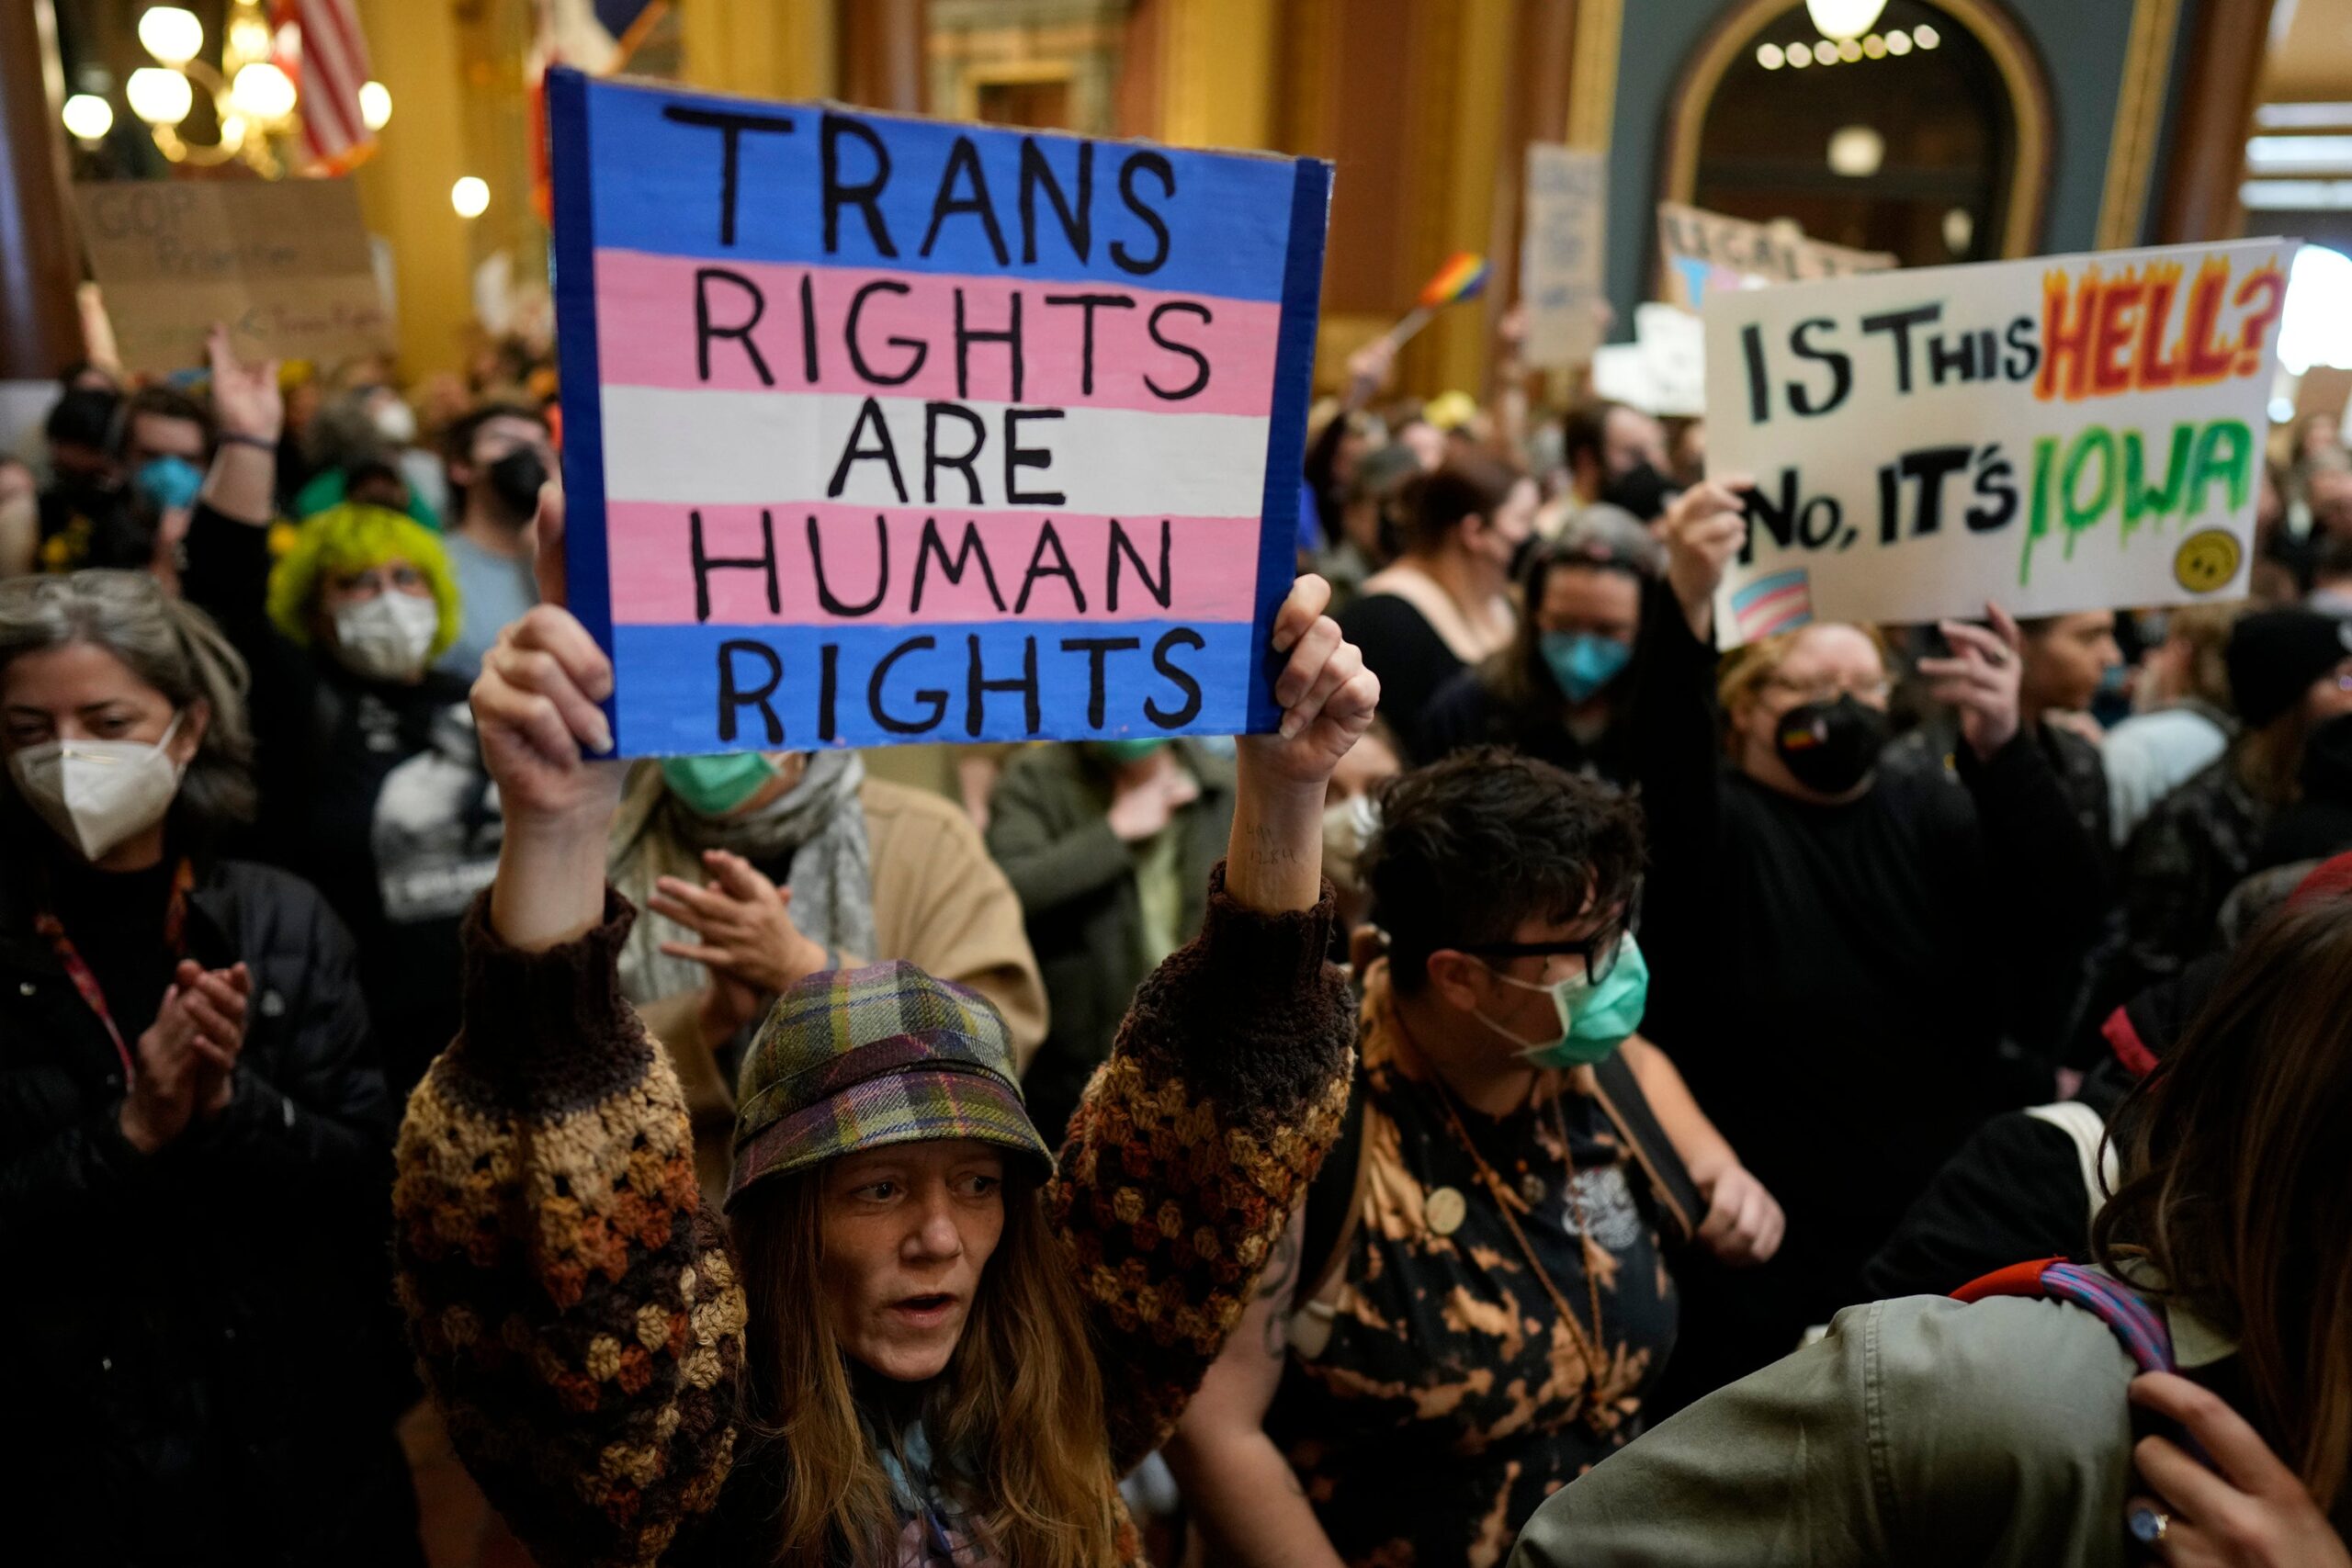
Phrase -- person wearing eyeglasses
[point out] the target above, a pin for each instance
(1849, 935)
(1559, 691)
(1475, 1300)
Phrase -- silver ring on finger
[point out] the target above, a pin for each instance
(2150, 1526)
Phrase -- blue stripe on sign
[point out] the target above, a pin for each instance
(670, 698)
(569, 143)
(1310, 206)
(659, 185)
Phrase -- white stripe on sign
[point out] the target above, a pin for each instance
(722, 447)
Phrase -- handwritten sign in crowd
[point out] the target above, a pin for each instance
(1663, 371)
(1561, 257)
(2066, 434)
(884, 430)
(1704, 252)
(285, 262)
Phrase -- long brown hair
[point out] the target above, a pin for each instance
(2236, 1192)
(1016, 1419)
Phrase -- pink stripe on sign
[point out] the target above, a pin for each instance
(1211, 572)
(647, 335)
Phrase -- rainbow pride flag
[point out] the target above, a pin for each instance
(1463, 277)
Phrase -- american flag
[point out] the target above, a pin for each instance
(334, 65)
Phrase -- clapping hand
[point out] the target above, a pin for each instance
(745, 924)
(186, 1060)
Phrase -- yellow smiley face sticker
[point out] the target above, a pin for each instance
(2207, 562)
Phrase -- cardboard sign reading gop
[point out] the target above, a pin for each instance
(884, 430)
(2074, 433)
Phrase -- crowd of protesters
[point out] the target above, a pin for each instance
(1571, 1096)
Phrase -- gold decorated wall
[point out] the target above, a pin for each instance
(1425, 107)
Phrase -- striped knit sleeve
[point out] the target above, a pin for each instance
(1193, 1144)
(577, 1317)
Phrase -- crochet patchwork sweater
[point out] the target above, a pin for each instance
(577, 1313)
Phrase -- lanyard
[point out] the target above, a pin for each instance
(78, 971)
(1596, 1369)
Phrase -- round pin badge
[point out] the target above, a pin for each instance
(1445, 1210)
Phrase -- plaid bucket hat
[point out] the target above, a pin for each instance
(859, 1058)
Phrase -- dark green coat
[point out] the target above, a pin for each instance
(1050, 829)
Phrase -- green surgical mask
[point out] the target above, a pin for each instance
(713, 786)
(1129, 748)
(1594, 1018)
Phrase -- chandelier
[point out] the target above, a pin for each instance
(252, 90)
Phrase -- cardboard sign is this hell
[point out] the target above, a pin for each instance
(884, 430)
(1703, 252)
(285, 262)
(2067, 434)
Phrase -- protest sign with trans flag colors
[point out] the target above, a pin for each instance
(884, 430)
(2072, 432)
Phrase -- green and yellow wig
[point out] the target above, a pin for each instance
(354, 537)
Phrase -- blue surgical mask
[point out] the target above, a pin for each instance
(169, 482)
(1582, 663)
(1595, 1018)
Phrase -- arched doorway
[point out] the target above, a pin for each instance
(1928, 137)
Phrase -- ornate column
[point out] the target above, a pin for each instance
(882, 54)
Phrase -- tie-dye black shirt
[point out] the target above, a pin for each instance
(1449, 1400)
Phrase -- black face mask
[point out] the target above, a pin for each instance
(1640, 490)
(516, 479)
(1831, 747)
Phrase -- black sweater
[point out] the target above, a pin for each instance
(1838, 982)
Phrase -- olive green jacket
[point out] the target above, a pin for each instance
(1920, 1432)
(1050, 829)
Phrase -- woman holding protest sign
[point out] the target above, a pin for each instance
(914, 1342)
(1842, 929)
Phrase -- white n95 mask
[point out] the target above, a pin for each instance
(385, 637)
(96, 794)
